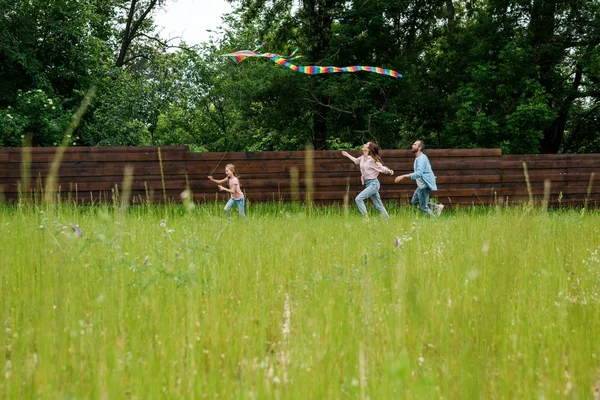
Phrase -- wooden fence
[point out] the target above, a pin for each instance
(464, 177)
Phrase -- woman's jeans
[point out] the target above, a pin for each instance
(421, 198)
(371, 191)
(240, 206)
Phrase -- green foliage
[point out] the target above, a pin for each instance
(121, 113)
(50, 46)
(35, 119)
(517, 75)
(583, 129)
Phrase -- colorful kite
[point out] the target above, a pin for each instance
(241, 55)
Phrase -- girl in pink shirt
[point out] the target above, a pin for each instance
(370, 168)
(237, 197)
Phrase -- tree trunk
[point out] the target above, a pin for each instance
(451, 12)
(554, 134)
(547, 58)
(132, 26)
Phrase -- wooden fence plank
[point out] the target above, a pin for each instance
(96, 149)
(464, 176)
(386, 154)
(545, 164)
(530, 157)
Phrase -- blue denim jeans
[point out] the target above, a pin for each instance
(240, 206)
(371, 191)
(421, 198)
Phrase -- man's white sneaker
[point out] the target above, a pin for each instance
(439, 209)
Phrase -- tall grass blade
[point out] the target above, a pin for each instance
(309, 174)
(528, 184)
(162, 177)
(347, 198)
(589, 192)
(546, 198)
(294, 184)
(126, 188)
(24, 189)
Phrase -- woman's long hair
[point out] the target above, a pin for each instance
(374, 151)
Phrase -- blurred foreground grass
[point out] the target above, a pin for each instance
(155, 302)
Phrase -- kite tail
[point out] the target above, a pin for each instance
(284, 61)
(315, 70)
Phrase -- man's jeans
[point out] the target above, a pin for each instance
(421, 197)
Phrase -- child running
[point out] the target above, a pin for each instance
(237, 197)
(370, 167)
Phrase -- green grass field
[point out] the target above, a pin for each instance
(156, 302)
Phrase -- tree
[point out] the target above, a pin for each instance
(50, 55)
(53, 47)
(137, 26)
(506, 73)
(564, 36)
(516, 74)
(355, 107)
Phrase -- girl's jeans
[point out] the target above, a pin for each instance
(371, 191)
(240, 206)
(421, 198)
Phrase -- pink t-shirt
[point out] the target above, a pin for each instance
(370, 169)
(234, 184)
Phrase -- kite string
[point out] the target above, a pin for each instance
(219, 163)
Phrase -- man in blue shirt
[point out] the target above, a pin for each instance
(425, 181)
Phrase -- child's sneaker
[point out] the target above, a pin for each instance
(439, 209)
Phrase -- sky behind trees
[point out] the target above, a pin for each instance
(190, 19)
